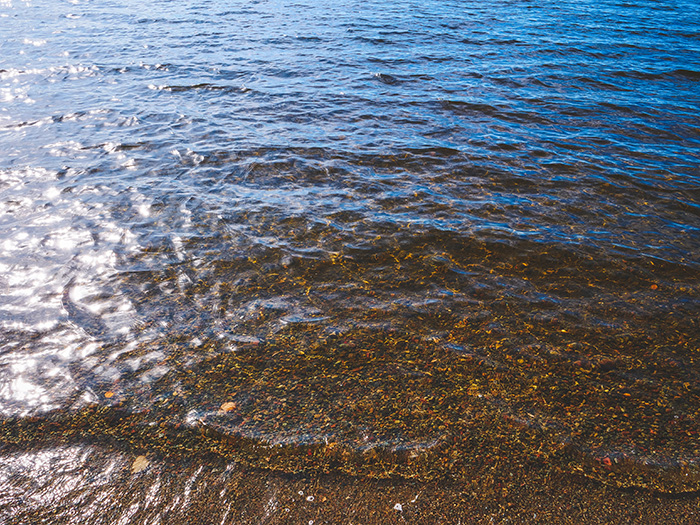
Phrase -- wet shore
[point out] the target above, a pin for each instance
(91, 484)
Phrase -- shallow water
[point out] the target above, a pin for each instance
(377, 238)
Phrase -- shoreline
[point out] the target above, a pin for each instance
(94, 484)
(486, 445)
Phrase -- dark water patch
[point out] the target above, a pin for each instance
(681, 74)
(385, 78)
(206, 87)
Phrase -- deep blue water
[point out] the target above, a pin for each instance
(513, 185)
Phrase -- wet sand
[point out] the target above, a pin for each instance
(91, 484)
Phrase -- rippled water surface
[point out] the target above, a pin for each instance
(381, 238)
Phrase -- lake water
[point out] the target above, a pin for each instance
(378, 238)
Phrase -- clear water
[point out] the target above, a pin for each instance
(378, 226)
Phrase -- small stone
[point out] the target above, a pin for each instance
(140, 464)
(398, 507)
